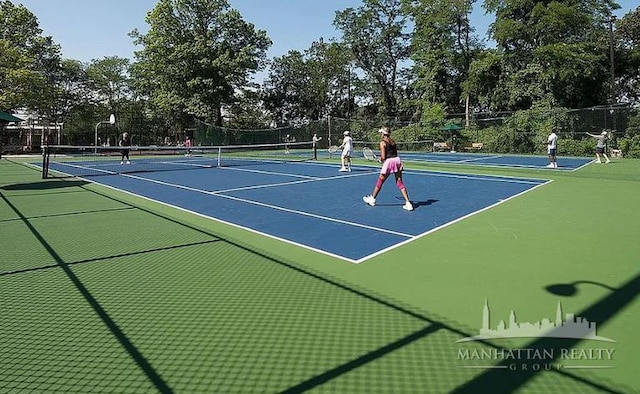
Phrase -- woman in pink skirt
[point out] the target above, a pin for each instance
(391, 164)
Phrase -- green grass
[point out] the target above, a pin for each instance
(102, 291)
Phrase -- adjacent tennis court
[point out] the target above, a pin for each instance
(227, 276)
(496, 160)
(482, 159)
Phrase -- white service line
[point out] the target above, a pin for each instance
(490, 178)
(270, 173)
(302, 213)
(480, 159)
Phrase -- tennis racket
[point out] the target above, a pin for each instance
(369, 155)
(333, 149)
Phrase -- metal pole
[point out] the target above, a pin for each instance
(329, 127)
(613, 74)
(112, 120)
(611, 59)
(1, 138)
(95, 141)
(349, 97)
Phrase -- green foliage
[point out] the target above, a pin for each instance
(630, 146)
(310, 85)
(633, 128)
(442, 48)
(432, 121)
(627, 60)
(483, 79)
(375, 34)
(568, 146)
(630, 143)
(195, 55)
(554, 52)
(28, 61)
(526, 131)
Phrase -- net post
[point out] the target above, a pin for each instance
(45, 162)
(219, 155)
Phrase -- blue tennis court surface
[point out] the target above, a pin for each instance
(315, 206)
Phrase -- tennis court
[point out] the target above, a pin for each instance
(122, 282)
(308, 204)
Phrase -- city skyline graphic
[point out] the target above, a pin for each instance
(569, 326)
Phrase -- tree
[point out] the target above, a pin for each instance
(552, 52)
(287, 88)
(247, 112)
(628, 60)
(195, 56)
(310, 85)
(375, 34)
(71, 88)
(108, 79)
(442, 49)
(28, 61)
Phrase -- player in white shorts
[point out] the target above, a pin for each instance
(347, 148)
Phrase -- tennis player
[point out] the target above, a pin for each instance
(391, 164)
(287, 140)
(187, 144)
(125, 143)
(347, 148)
(552, 147)
(315, 141)
(601, 145)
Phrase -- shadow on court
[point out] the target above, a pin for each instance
(416, 204)
(424, 203)
(44, 185)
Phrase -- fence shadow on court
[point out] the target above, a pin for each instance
(377, 308)
(44, 185)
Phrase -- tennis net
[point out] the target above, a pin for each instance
(86, 161)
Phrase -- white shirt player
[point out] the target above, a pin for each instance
(552, 141)
(347, 145)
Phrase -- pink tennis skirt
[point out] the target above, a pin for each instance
(391, 165)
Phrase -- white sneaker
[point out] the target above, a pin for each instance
(598, 161)
(122, 162)
(408, 206)
(555, 165)
(343, 169)
(369, 200)
(608, 161)
(128, 162)
(550, 165)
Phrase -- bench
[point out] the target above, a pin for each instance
(476, 146)
(441, 146)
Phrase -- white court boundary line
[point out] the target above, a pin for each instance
(450, 223)
(410, 237)
(276, 207)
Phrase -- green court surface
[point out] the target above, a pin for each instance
(101, 291)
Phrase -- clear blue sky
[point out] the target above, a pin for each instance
(93, 29)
